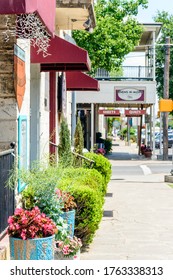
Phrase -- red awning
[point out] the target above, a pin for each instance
(80, 81)
(45, 10)
(64, 56)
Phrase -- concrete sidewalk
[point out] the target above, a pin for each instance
(138, 210)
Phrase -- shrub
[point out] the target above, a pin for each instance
(41, 181)
(88, 212)
(108, 145)
(78, 143)
(64, 147)
(101, 164)
(89, 177)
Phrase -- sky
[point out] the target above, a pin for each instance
(146, 16)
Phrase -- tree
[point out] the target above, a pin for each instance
(78, 143)
(115, 35)
(64, 147)
(167, 30)
(164, 69)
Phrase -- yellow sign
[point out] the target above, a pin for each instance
(165, 105)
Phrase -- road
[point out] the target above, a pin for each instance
(141, 168)
(126, 161)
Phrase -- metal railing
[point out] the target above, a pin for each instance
(77, 155)
(6, 194)
(85, 158)
(127, 73)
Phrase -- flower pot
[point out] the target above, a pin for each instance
(69, 217)
(148, 154)
(32, 249)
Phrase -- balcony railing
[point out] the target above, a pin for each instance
(127, 73)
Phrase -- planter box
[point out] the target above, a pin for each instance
(32, 249)
(69, 217)
(148, 154)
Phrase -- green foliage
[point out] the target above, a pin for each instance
(78, 143)
(88, 213)
(40, 191)
(12, 180)
(123, 132)
(88, 177)
(101, 164)
(41, 181)
(115, 35)
(64, 147)
(108, 145)
(167, 30)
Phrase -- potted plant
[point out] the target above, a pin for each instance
(101, 151)
(143, 148)
(148, 152)
(31, 234)
(69, 248)
(68, 209)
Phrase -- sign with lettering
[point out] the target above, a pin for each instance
(129, 95)
(19, 74)
(109, 112)
(134, 113)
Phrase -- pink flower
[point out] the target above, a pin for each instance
(26, 224)
(23, 234)
(17, 226)
(59, 193)
(24, 220)
(18, 211)
(69, 246)
(10, 220)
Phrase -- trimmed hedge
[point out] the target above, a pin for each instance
(101, 164)
(88, 177)
(88, 213)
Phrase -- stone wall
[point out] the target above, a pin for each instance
(8, 105)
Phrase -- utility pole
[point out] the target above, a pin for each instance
(166, 96)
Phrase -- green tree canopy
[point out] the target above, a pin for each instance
(167, 30)
(115, 35)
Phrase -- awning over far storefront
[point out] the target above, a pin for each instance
(63, 56)
(80, 81)
(44, 9)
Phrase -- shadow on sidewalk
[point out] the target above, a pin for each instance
(122, 152)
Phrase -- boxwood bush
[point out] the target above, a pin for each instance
(101, 164)
(88, 212)
(89, 177)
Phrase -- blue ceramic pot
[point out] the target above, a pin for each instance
(69, 217)
(32, 249)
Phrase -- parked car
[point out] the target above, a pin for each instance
(170, 141)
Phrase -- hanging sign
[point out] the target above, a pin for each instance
(129, 94)
(109, 112)
(134, 113)
(19, 74)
